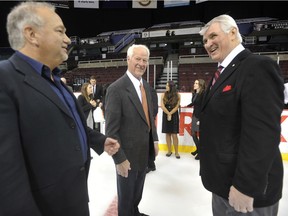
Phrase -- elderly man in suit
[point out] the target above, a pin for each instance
(135, 130)
(240, 159)
(45, 142)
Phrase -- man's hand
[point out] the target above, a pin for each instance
(123, 168)
(111, 146)
(239, 201)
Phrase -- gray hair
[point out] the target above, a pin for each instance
(21, 15)
(226, 23)
(130, 50)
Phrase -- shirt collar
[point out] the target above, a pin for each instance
(134, 80)
(38, 66)
(232, 55)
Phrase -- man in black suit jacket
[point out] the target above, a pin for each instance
(240, 160)
(44, 148)
(97, 90)
(126, 121)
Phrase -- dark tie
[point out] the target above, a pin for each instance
(217, 74)
(144, 103)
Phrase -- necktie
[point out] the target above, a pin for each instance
(217, 74)
(144, 103)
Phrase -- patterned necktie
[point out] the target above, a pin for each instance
(144, 103)
(216, 75)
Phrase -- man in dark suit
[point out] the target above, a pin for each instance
(97, 89)
(240, 160)
(97, 96)
(44, 148)
(126, 121)
(151, 161)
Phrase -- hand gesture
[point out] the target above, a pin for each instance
(111, 146)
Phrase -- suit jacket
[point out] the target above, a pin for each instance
(86, 106)
(240, 130)
(98, 94)
(42, 172)
(196, 103)
(126, 122)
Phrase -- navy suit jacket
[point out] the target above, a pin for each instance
(42, 172)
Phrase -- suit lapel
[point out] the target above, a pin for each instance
(132, 94)
(226, 73)
(37, 82)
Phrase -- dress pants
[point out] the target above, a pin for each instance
(221, 207)
(130, 192)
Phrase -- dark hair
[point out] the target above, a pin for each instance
(171, 97)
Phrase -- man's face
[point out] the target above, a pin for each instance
(217, 43)
(137, 64)
(93, 82)
(52, 39)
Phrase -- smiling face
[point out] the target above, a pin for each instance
(219, 44)
(138, 62)
(48, 42)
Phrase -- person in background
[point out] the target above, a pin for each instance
(45, 142)
(127, 122)
(97, 95)
(199, 88)
(151, 163)
(96, 89)
(87, 103)
(170, 103)
(240, 162)
(286, 93)
(63, 79)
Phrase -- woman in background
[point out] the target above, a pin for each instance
(199, 88)
(170, 102)
(87, 103)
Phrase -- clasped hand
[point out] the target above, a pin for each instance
(111, 146)
(239, 201)
(123, 168)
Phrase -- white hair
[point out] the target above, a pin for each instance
(21, 15)
(226, 23)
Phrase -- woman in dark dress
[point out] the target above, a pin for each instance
(199, 88)
(170, 102)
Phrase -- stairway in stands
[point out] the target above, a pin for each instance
(170, 72)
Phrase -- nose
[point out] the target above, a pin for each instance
(67, 39)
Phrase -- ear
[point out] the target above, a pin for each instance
(233, 33)
(30, 35)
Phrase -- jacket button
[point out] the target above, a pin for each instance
(82, 169)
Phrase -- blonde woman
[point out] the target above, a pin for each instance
(87, 103)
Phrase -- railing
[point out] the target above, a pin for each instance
(115, 62)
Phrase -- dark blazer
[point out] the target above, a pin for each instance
(42, 172)
(126, 122)
(239, 135)
(86, 106)
(196, 102)
(98, 95)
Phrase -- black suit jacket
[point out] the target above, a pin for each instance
(98, 94)
(240, 130)
(126, 122)
(42, 172)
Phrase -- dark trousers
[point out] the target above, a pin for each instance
(196, 141)
(221, 207)
(130, 192)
